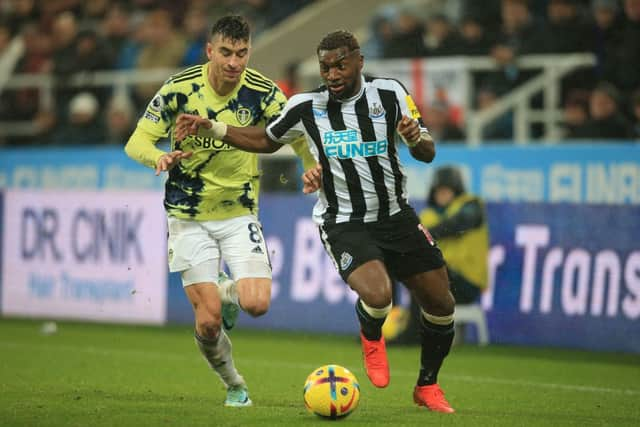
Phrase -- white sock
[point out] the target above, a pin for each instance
(217, 353)
(228, 291)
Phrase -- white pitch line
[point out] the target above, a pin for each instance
(568, 387)
(302, 365)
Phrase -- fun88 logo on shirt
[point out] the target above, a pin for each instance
(345, 144)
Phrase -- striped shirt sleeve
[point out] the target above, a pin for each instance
(288, 127)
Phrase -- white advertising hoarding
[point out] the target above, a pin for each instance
(85, 255)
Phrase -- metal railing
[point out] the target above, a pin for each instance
(519, 101)
(120, 81)
(552, 69)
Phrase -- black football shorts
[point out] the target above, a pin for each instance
(403, 244)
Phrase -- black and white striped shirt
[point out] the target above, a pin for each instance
(355, 142)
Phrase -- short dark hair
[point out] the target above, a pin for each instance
(338, 39)
(234, 27)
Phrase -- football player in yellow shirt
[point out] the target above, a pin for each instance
(211, 194)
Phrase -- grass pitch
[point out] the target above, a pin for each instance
(108, 375)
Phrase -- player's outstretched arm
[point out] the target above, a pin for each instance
(420, 144)
(251, 138)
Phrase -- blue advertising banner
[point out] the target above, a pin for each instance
(89, 168)
(563, 275)
(575, 173)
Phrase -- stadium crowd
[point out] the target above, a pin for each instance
(601, 102)
(63, 37)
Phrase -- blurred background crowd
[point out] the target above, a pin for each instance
(65, 37)
(600, 102)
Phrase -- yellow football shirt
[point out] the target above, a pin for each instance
(218, 181)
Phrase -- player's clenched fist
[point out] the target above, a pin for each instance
(312, 179)
(409, 130)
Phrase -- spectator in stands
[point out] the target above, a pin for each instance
(129, 52)
(566, 30)
(474, 37)
(91, 53)
(575, 112)
(407, 39)
(83, 126)
(520, 34)
(635, 114)
(116, 30)
(163, 47)
(65, 31)
(441, 38)
(457, 220)
(501, 129)
(290, 84)
(381, 32)
(508, 75)
(440, 125)
(606, 121)
(196, 30)
(120, 119)
(520, 30)
(23, 103)
(623, 68)
(605, 32)
(22, 13)
(93, 12)
(266, 14)
(5, 36)
(486, 12)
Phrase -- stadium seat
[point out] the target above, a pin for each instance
(473, 313)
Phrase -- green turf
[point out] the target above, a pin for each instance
(106, 375)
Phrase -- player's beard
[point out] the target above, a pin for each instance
(347, 92)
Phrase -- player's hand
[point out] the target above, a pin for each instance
(168, 161)
(409, 130)
(312, 179)
(188, 124)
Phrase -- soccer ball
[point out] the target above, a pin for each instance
(331, 391)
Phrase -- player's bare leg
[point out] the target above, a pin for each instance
(252, 295)
(213, 343)
(431, 290)
(372, 284)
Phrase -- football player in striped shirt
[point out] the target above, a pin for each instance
(211, 193)
(352, 125)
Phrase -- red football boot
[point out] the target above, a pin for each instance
(375, 361)
(432, 397)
